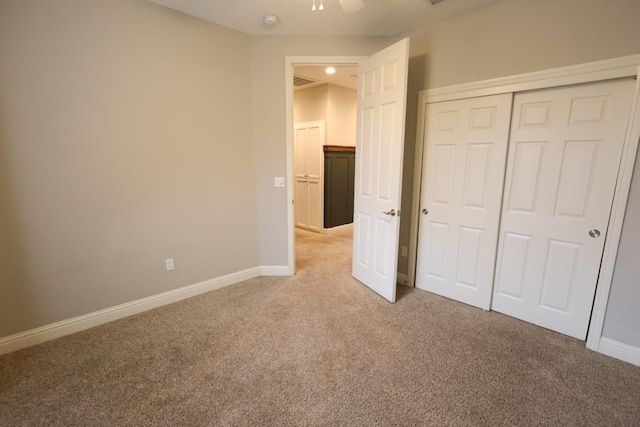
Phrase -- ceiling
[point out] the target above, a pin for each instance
(377, 18)
(342, 76)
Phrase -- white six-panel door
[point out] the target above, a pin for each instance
(382, 92)
(464, 162)
(564, 153)
(307, 149)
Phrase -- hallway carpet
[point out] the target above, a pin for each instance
(319, 349)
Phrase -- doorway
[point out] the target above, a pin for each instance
(312, 95)
(381, 106)
(325, 115)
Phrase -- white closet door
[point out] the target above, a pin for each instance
(563, 160)
(465, 156)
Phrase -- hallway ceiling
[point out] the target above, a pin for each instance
(342, 77)
(377, 18)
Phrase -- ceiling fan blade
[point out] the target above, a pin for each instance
(350, 6)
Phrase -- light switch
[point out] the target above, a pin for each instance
(279, 181)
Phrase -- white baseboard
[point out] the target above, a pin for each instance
(80, 323)
(403, 279)
(619, 350)
(275, 270)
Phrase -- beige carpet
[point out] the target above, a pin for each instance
(316, 349)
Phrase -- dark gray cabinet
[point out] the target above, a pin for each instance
(339, 174)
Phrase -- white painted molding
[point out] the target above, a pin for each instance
(622, 351)
(80, 323)
(607, 69)
(416, 196)
(275, 270)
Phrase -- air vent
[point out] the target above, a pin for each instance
(302, 81)
(437, 2)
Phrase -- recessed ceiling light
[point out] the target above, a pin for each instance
(353, 76)
(330, 70)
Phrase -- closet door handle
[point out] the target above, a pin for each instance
(425, 211)
(392, 212)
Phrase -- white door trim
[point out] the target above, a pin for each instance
(628, 66)
(290, 61)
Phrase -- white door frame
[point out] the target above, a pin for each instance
(290, 62)
(628, 66)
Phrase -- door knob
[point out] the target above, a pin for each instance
(392, 212)
(424, 211)
(594, 233)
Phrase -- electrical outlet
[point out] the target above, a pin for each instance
(403, 252)
(169, 264)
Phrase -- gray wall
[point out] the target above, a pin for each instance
(125, 139)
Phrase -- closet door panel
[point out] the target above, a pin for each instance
(465, 156)
(565, 149)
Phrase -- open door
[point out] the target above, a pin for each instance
(382, 96)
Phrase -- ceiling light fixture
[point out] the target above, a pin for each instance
(313, 6)
(330, 70)
(271, 20)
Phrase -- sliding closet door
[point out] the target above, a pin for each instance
(564, 155)
(465, 157)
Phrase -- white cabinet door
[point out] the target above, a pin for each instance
(465, 156)
(563, 160)
(315, 140)
(308, 164)
(300, 152)
(382, 94)
(308, 140)
(302, 202)
(314, 222)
